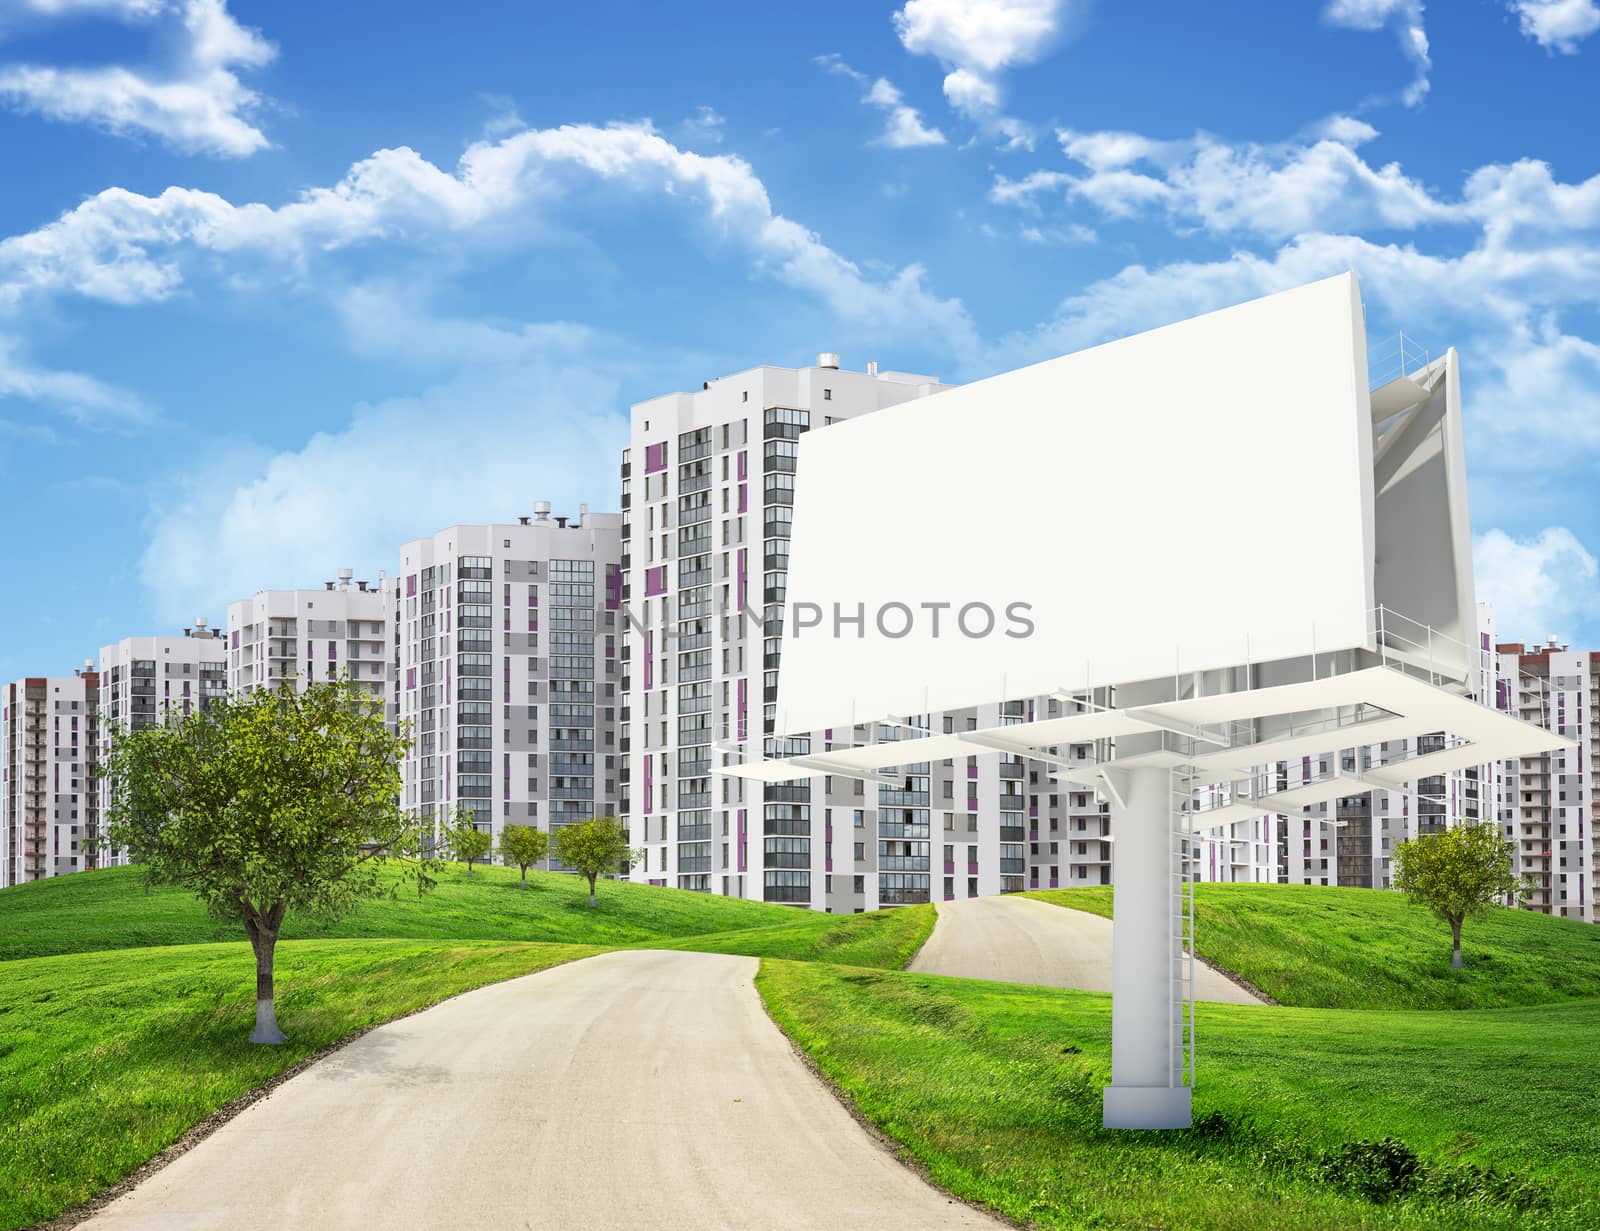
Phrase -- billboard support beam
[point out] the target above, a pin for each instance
(1147, 1087)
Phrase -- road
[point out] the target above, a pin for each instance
(1021, 940)
(633, 1089)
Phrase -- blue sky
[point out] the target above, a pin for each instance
(282, 285)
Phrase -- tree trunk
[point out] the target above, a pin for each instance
(1455, 932)
(524, 876)
(591, 891)
(265, 943)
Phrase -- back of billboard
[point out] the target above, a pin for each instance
(1192, 498)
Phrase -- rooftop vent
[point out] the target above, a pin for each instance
(541, 510)
(828, 359)
(562, 522)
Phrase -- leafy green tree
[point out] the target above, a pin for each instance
(595, 846)
(1458, 874)
(266, 803)
(468, 843)
(523, 845)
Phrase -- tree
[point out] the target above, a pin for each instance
(468, 843)
(523, 845)
(266, 803)
(1457, 873)
(594, 846)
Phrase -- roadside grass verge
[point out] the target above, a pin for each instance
(1307, 1118)
(1325, 947)
(883, 939)
(115, 909)
(108, 1058)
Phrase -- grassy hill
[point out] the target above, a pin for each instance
(124, 1010)
(1325, 947)
(114, 909)
(1491, 1119)
(122, 1023)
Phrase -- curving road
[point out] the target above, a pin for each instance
(1022, 940)
(635, 1089)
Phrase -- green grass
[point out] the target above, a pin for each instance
(884, 939)
(107, 1058)
(113, 909)
(996, 1089)
(131, 1027)
(1324, 947)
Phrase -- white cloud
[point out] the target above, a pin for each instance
(1072, 233)
(246, 517)
(1272, 189)
(1114, 150)
(1404, 17)
(706, 126)
(1319, 181)
(1540, 586)
(124, 247)
(1026, 191)
(904, 127)
(984, 35)
(196, 105)
(1558, 25)
(1540, 386)
(83, 399)
(979, 40)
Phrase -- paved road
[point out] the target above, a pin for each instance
(1022, 940)
(628, 1090)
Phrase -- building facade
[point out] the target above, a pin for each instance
(304, 635)
(145, 680)
(1349, 841)
(708, 486)
(49, 794)
(1548, 802)
(507, 641)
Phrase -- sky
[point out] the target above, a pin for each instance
(283, 285)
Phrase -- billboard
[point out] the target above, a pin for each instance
(1192, 498)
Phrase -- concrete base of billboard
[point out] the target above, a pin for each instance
(1148, 1106)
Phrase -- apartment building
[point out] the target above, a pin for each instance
(49, 797)
(705, 537)
(145, 680)
(507, 642)
(304, 635)
(1548, 803)
(1348, 841)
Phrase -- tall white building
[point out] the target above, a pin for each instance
(49, 797)
(1548, 803)
(708, 486)
(341, 629)
(507, 641)
(145, 680)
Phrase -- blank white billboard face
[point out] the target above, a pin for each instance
(1191, 498)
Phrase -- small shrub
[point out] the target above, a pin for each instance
(1377, 1170)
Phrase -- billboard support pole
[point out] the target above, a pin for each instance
(1147, 1088)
